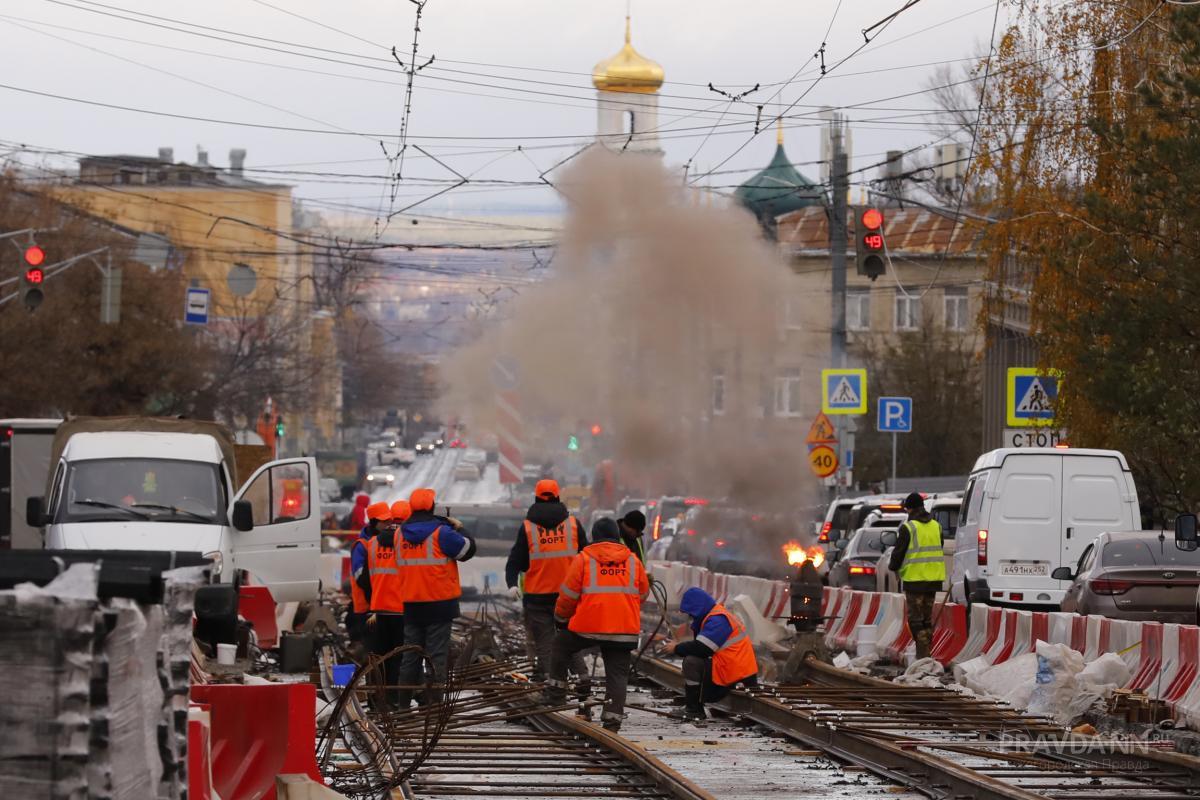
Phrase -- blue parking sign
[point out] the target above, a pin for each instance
(894, 415)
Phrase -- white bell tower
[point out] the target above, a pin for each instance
(627, 100)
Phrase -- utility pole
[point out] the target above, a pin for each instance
(837, 240)
(839, 187)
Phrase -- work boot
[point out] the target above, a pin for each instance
(584, 712)
(693, 709)
(611, 722)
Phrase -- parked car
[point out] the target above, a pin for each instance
(855, 564)
(1133, 575)
(1029, 510)
(834, 525)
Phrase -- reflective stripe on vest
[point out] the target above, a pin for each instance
(592, 585)
(387, 591)
(734, 660)
(924, 560)
(428, 574)
(550, 555)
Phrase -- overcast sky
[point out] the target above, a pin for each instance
(529, 84)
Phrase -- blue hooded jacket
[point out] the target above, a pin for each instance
(710, 635)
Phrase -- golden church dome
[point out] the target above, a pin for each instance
(628, 71)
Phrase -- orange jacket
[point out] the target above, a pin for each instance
(429, 574)
(603, 592)
(387, 591)
(734, 659)
(550, 555)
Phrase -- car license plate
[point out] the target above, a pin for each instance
(1024, 569)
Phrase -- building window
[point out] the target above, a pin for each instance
(858, 311)
(908, 311)
(956, 309)
(718, 394)
(787, 394)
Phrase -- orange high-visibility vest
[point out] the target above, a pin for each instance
(358, 597)
(609, 599)
(734, 660)
(387, 592)
(429, 574)
(550, 555)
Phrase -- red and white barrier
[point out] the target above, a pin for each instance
(861, 608)
(894, 635)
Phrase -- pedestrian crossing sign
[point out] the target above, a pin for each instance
(844, 391)
(1032, 395)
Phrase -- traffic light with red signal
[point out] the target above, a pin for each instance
(868, 242)
(33, 277)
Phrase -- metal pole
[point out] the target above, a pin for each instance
(837, 255)
(837, 244)
(893, 462)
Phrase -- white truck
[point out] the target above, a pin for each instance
(1028, 510)
(135, 483)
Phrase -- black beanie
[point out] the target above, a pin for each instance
(635, 519)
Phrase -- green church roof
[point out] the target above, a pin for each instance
(778, 189)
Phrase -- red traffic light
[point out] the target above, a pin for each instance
(872, 219)
(597, 430)
(34, 275)
(34, 256)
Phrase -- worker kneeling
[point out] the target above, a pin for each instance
(718, 659)
(600, 604)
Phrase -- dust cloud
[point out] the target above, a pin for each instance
(661, 305)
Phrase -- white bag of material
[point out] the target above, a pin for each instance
(1056, 691)
(1011, 681)
(1107, 673)
(923, 672)
(841, 660)
(964, 671)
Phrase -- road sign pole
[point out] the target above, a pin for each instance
(893, 462)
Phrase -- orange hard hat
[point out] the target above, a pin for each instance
(379, 511)
(422, 499)
(546, 489)
(401, 510)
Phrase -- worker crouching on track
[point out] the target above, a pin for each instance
(430, 549)
(919, 561)
(600, 604)
(718, 659)
(546, 544)
(387, 593)
(360, 578)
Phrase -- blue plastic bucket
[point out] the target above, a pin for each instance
(342, 673)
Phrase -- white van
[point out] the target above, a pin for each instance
(1029, 510)
(158, 489)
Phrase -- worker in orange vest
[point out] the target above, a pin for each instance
(387, 594)
(546, 544)
(430, 548)
(719, 658)
(375, 514)
(600, 604)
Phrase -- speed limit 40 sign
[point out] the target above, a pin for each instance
(823, 460)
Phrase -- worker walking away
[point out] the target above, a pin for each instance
(430, 548)
(600, 604)
(387, 594)
(360, 580)
(917, 559)
(546, 544)
(633, 526)
(720, 657)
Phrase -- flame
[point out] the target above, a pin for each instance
(797, 554)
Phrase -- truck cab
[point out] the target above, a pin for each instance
(175, 490)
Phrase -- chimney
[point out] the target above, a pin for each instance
(166, 155)
(201, 156)
(237, 158)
